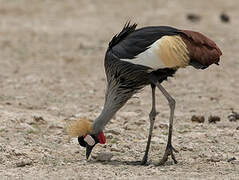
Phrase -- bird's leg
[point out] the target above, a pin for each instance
(169, 148)
(152, 116)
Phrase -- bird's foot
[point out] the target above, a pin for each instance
(168, 152)
(144, 161)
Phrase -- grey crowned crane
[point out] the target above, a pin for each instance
(136, 58)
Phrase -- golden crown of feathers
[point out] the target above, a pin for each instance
(79, 127)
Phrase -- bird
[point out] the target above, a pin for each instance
(136, 58)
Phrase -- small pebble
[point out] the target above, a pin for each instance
(214, 158)
(38, 118)
(115, 148)
(186, 148)
(109, 136)
(214, 119)
(103, 156)
(224, 18)
(163, 126)
(233, 116)
(231, 159)
(193, 17)
(23, 163)
(199, 119)
(140, 122)
(113, 131)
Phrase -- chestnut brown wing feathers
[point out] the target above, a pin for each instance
(201, 49)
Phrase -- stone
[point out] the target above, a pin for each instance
(104, 156)
(23, 162)
(214, 119)
(198, 119)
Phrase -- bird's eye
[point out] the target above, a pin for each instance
(81, 141)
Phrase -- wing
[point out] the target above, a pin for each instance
(160, 47)
(156, 47)
(131, 42)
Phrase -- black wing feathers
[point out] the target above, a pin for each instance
(127, 29)
(131, 42)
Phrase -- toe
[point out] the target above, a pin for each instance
(175, 150)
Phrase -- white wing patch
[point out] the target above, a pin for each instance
(168, 51)
(149, 58)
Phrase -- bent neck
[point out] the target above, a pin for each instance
(111, 106)
(104, 117)
(115, 98)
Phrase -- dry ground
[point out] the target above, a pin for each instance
(51, 71)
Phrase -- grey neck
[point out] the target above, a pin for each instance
(100, 122)
(113, 102)
(115, 98)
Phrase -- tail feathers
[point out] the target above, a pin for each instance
(127, 29)
(202, 51)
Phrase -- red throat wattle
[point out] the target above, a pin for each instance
(101, 138)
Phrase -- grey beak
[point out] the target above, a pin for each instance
(88, 150)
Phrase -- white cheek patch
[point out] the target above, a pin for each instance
(89, 140)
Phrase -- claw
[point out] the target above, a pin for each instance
(174, 160)
(175, 150)
(144, 162)
(168, 152)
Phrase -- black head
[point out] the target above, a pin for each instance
(83, 142)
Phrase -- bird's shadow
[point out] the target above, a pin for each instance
(129, 163)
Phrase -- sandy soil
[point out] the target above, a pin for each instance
(51, 72)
